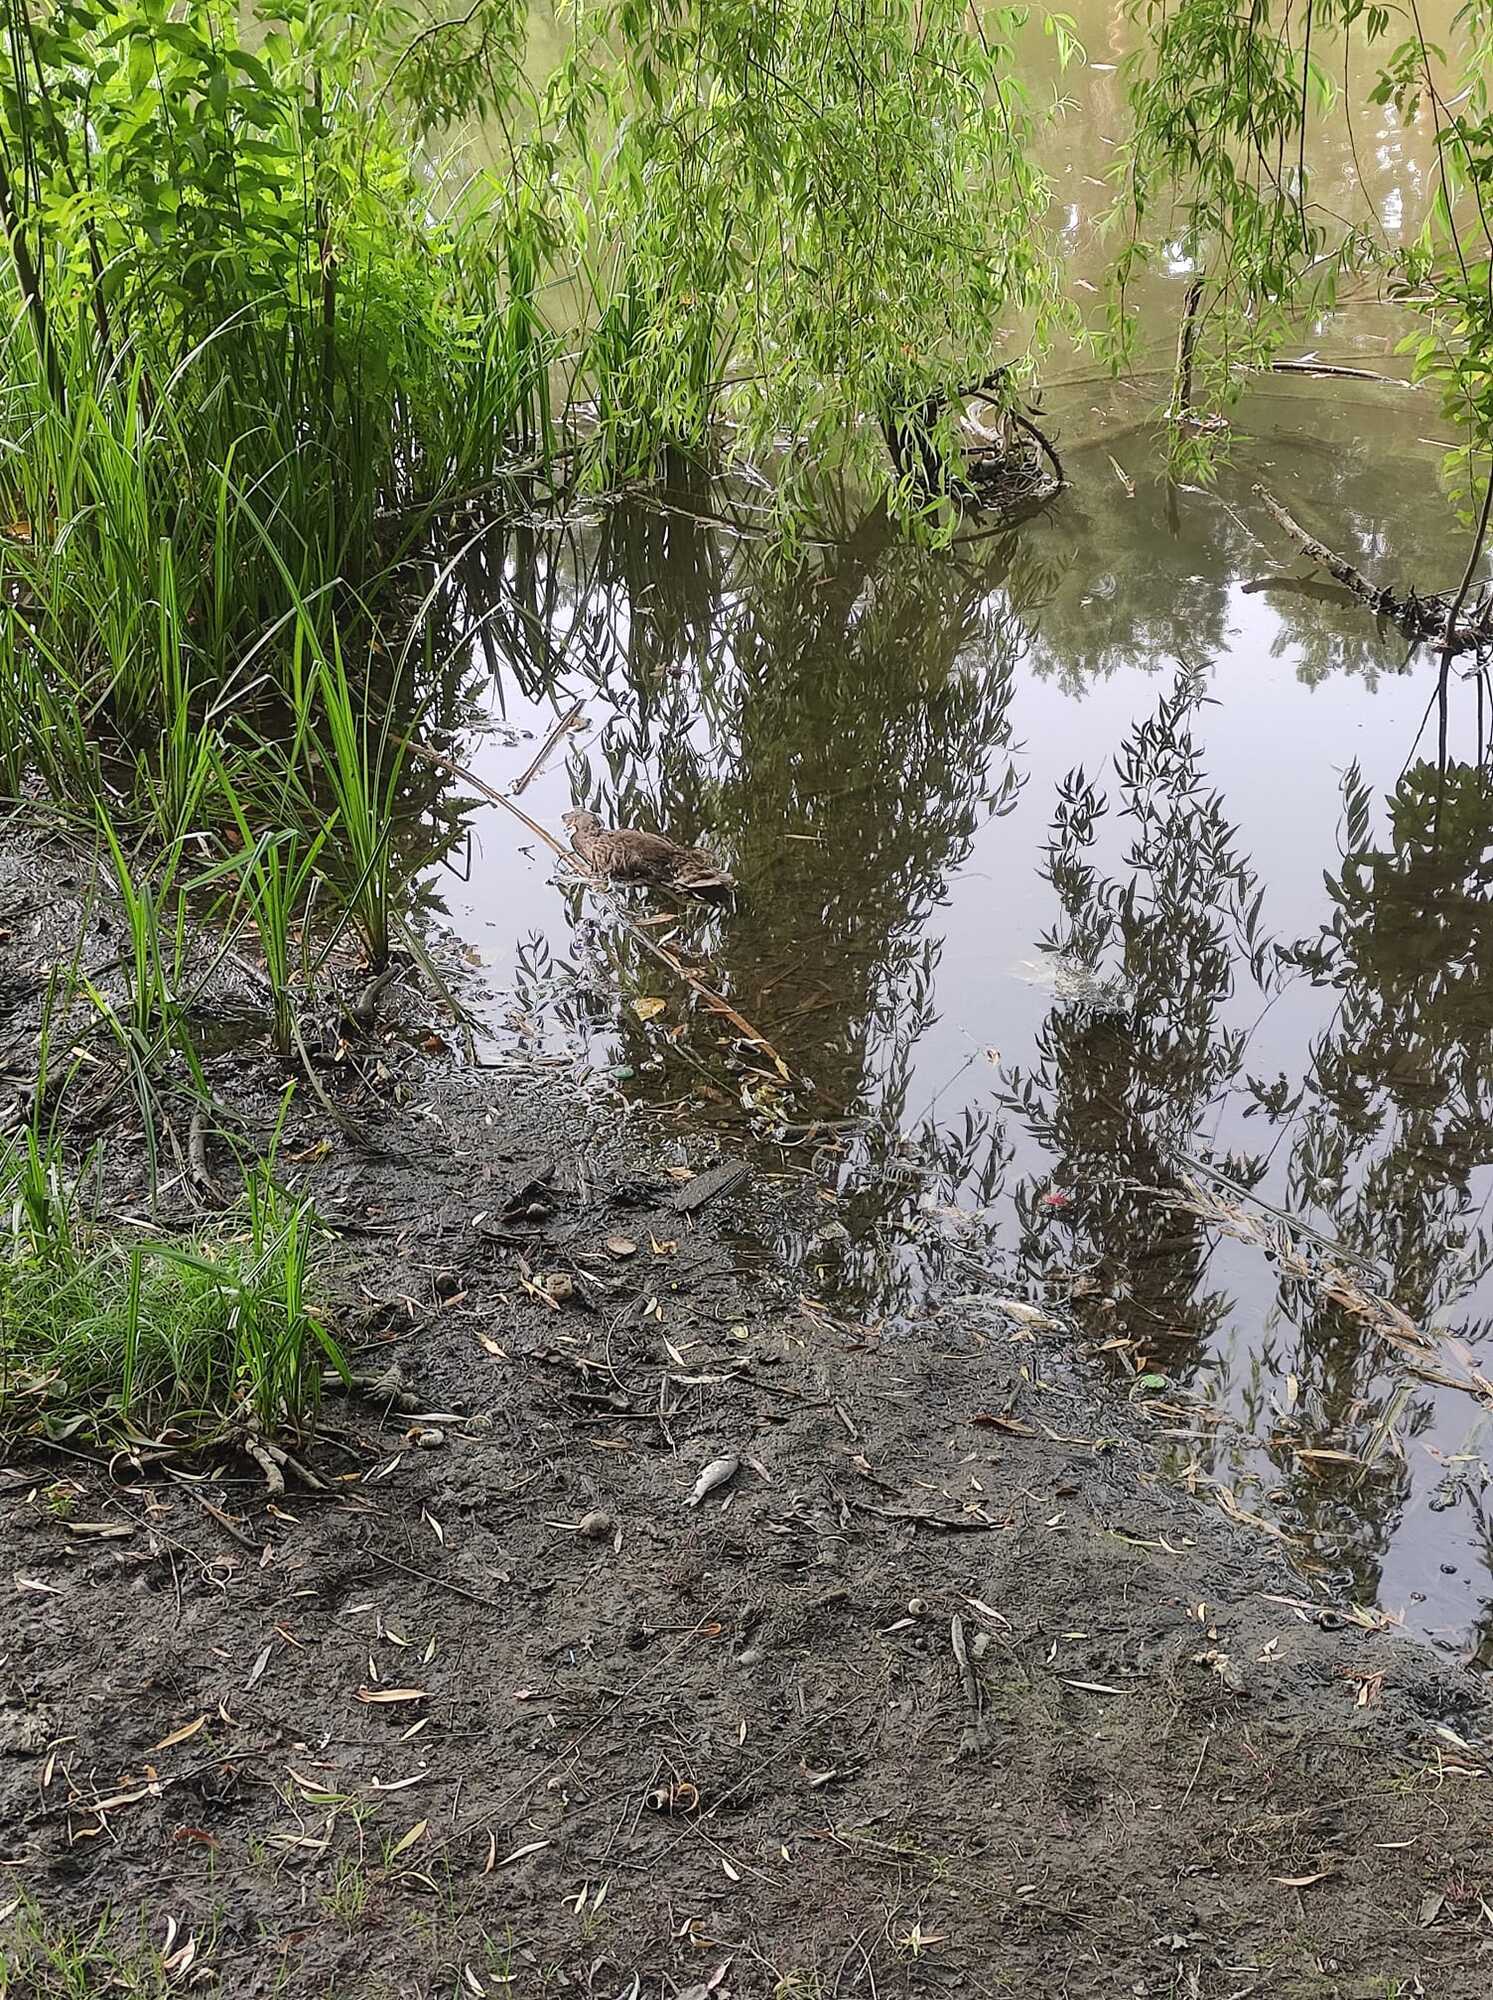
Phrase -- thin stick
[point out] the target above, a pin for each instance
(715, 1001)
(440, 1582)
(217, 1513)
(567, 721)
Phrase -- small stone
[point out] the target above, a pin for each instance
(597, 1526)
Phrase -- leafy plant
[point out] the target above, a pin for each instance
(108, 1335)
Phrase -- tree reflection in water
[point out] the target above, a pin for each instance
(839, 727)
(1378, 1148)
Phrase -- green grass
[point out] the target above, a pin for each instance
(105, 1336)
(42, 1958)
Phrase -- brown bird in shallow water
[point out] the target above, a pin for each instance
(625, 854)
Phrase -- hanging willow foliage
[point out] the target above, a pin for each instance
(720, 225)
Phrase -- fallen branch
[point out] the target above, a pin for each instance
(1433, 620)
(1332, 368)
(1187, 334)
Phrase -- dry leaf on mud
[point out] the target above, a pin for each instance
(180, 1735)
(532, 1847)
(715, 1474)
(392, 1694)
(622, 1246)
(1303, 1881)
(703, 1989)
(415, 1833)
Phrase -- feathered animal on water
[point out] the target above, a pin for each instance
(626, 854)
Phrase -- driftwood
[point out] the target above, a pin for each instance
(1334, 368)
(1431, 620)
(705, 1187)
(567, 721)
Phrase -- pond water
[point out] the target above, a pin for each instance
(1101, 879)
(1073, 860)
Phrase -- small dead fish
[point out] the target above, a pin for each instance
(715, 1474)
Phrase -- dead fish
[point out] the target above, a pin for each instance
(715, 1474)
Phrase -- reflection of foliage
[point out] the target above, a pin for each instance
(836, 727)
(1157, 578)
(1401, 1098)
(1111, 1099)
(831, 726)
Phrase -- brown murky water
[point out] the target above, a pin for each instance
(1083, 868)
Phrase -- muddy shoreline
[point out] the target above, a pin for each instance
(942, 1690)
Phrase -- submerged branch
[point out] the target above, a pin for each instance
(1436, 619)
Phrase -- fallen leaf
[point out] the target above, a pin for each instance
(392, 1694)
(408, 1839)
(102, 1531)
(1303, 1881)
(120, 1799)
(1013, 1426)
(518, 1853)
(180, 1735)
(648, 1008)
(622, 1246)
